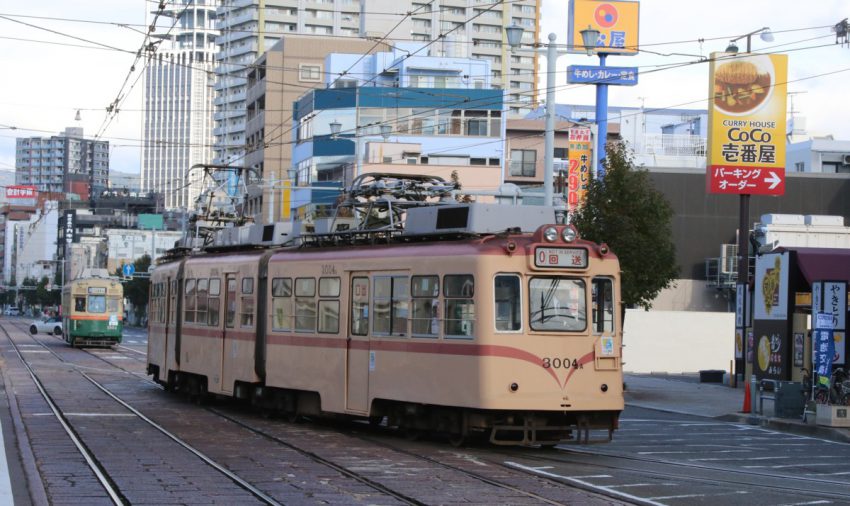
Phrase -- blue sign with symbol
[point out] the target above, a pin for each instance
(129, 270)
(587, 74)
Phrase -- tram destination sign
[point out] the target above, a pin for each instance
(564, 258)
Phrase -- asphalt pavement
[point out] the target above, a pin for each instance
(685, 394)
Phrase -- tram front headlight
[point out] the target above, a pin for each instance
(568, 234)
(550, 234)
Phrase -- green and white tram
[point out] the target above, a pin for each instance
(92, 312)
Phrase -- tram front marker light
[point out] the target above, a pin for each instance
(550, 234)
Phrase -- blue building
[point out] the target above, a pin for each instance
(414, 130)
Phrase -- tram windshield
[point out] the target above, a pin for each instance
(557, 303)
(97, 304)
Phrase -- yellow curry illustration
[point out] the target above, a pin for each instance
(764, 352)
(770, 286)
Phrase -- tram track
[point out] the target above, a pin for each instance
(97, 467)
(343, 470)
(321, 460)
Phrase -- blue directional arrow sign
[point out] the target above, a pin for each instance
(128, 270)
(587, 74)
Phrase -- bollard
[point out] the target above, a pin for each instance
(753, 420)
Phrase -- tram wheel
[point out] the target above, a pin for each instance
(457, 440)
(375, 421)
(411, 434)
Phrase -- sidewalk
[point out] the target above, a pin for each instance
(684, 394)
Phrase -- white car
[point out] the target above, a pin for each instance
(47, 325)
(12, 311)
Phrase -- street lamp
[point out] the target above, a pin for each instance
(386, 130)
(589, 38)
(336, 127)
(765, 34)
(514, 35)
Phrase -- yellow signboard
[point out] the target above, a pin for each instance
(616, 20)
(746, 116)
(580, 160)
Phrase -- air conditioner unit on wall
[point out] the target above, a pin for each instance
(729, 258)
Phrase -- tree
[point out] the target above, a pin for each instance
(136, 289)
(634, 219)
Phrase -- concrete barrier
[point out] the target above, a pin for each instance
(677, 341)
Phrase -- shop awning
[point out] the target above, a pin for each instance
(822, 264)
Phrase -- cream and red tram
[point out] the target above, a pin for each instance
(512, 335)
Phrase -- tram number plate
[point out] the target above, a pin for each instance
(566, 258)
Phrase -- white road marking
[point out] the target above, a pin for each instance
(686, 496)
(35, 351)
(805, 503)
(589, 476)
(678, 452)
(582, 482)
(792, 465)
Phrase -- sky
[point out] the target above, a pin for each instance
(44, 85)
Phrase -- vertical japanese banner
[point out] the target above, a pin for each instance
(579, 155)
(746, 115)
(829, 300)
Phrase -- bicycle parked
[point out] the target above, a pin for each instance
(837, 391)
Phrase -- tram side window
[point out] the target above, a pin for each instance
(329, 305)
(80, 304)
(230, 316)
(305, 304)
(391, 305)
(508, 303)
(214, 302)
(202, 289)
(282, 304)
(247, 315)
(360, 306)
(425, 294)
(603, 305)
(172, 308)
(557, 303)
(458, 291)
(190, 301)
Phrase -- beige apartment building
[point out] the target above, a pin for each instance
(286, 71)
(476, 29)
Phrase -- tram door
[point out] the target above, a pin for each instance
(228, 339)
(358, 354)
(168, 332)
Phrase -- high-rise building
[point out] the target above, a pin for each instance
(178, 117)
(250, 28)
(476, 29)
(65, 163)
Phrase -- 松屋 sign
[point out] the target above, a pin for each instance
(746, 114)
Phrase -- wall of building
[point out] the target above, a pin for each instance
(702, 222)
(125, 246)
(35, 250)
(677, 341)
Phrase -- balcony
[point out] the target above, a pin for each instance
(671, 145)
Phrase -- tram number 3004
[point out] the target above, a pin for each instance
(561, 363)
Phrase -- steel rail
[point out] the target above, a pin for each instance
(102, 476)
(259, 494)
